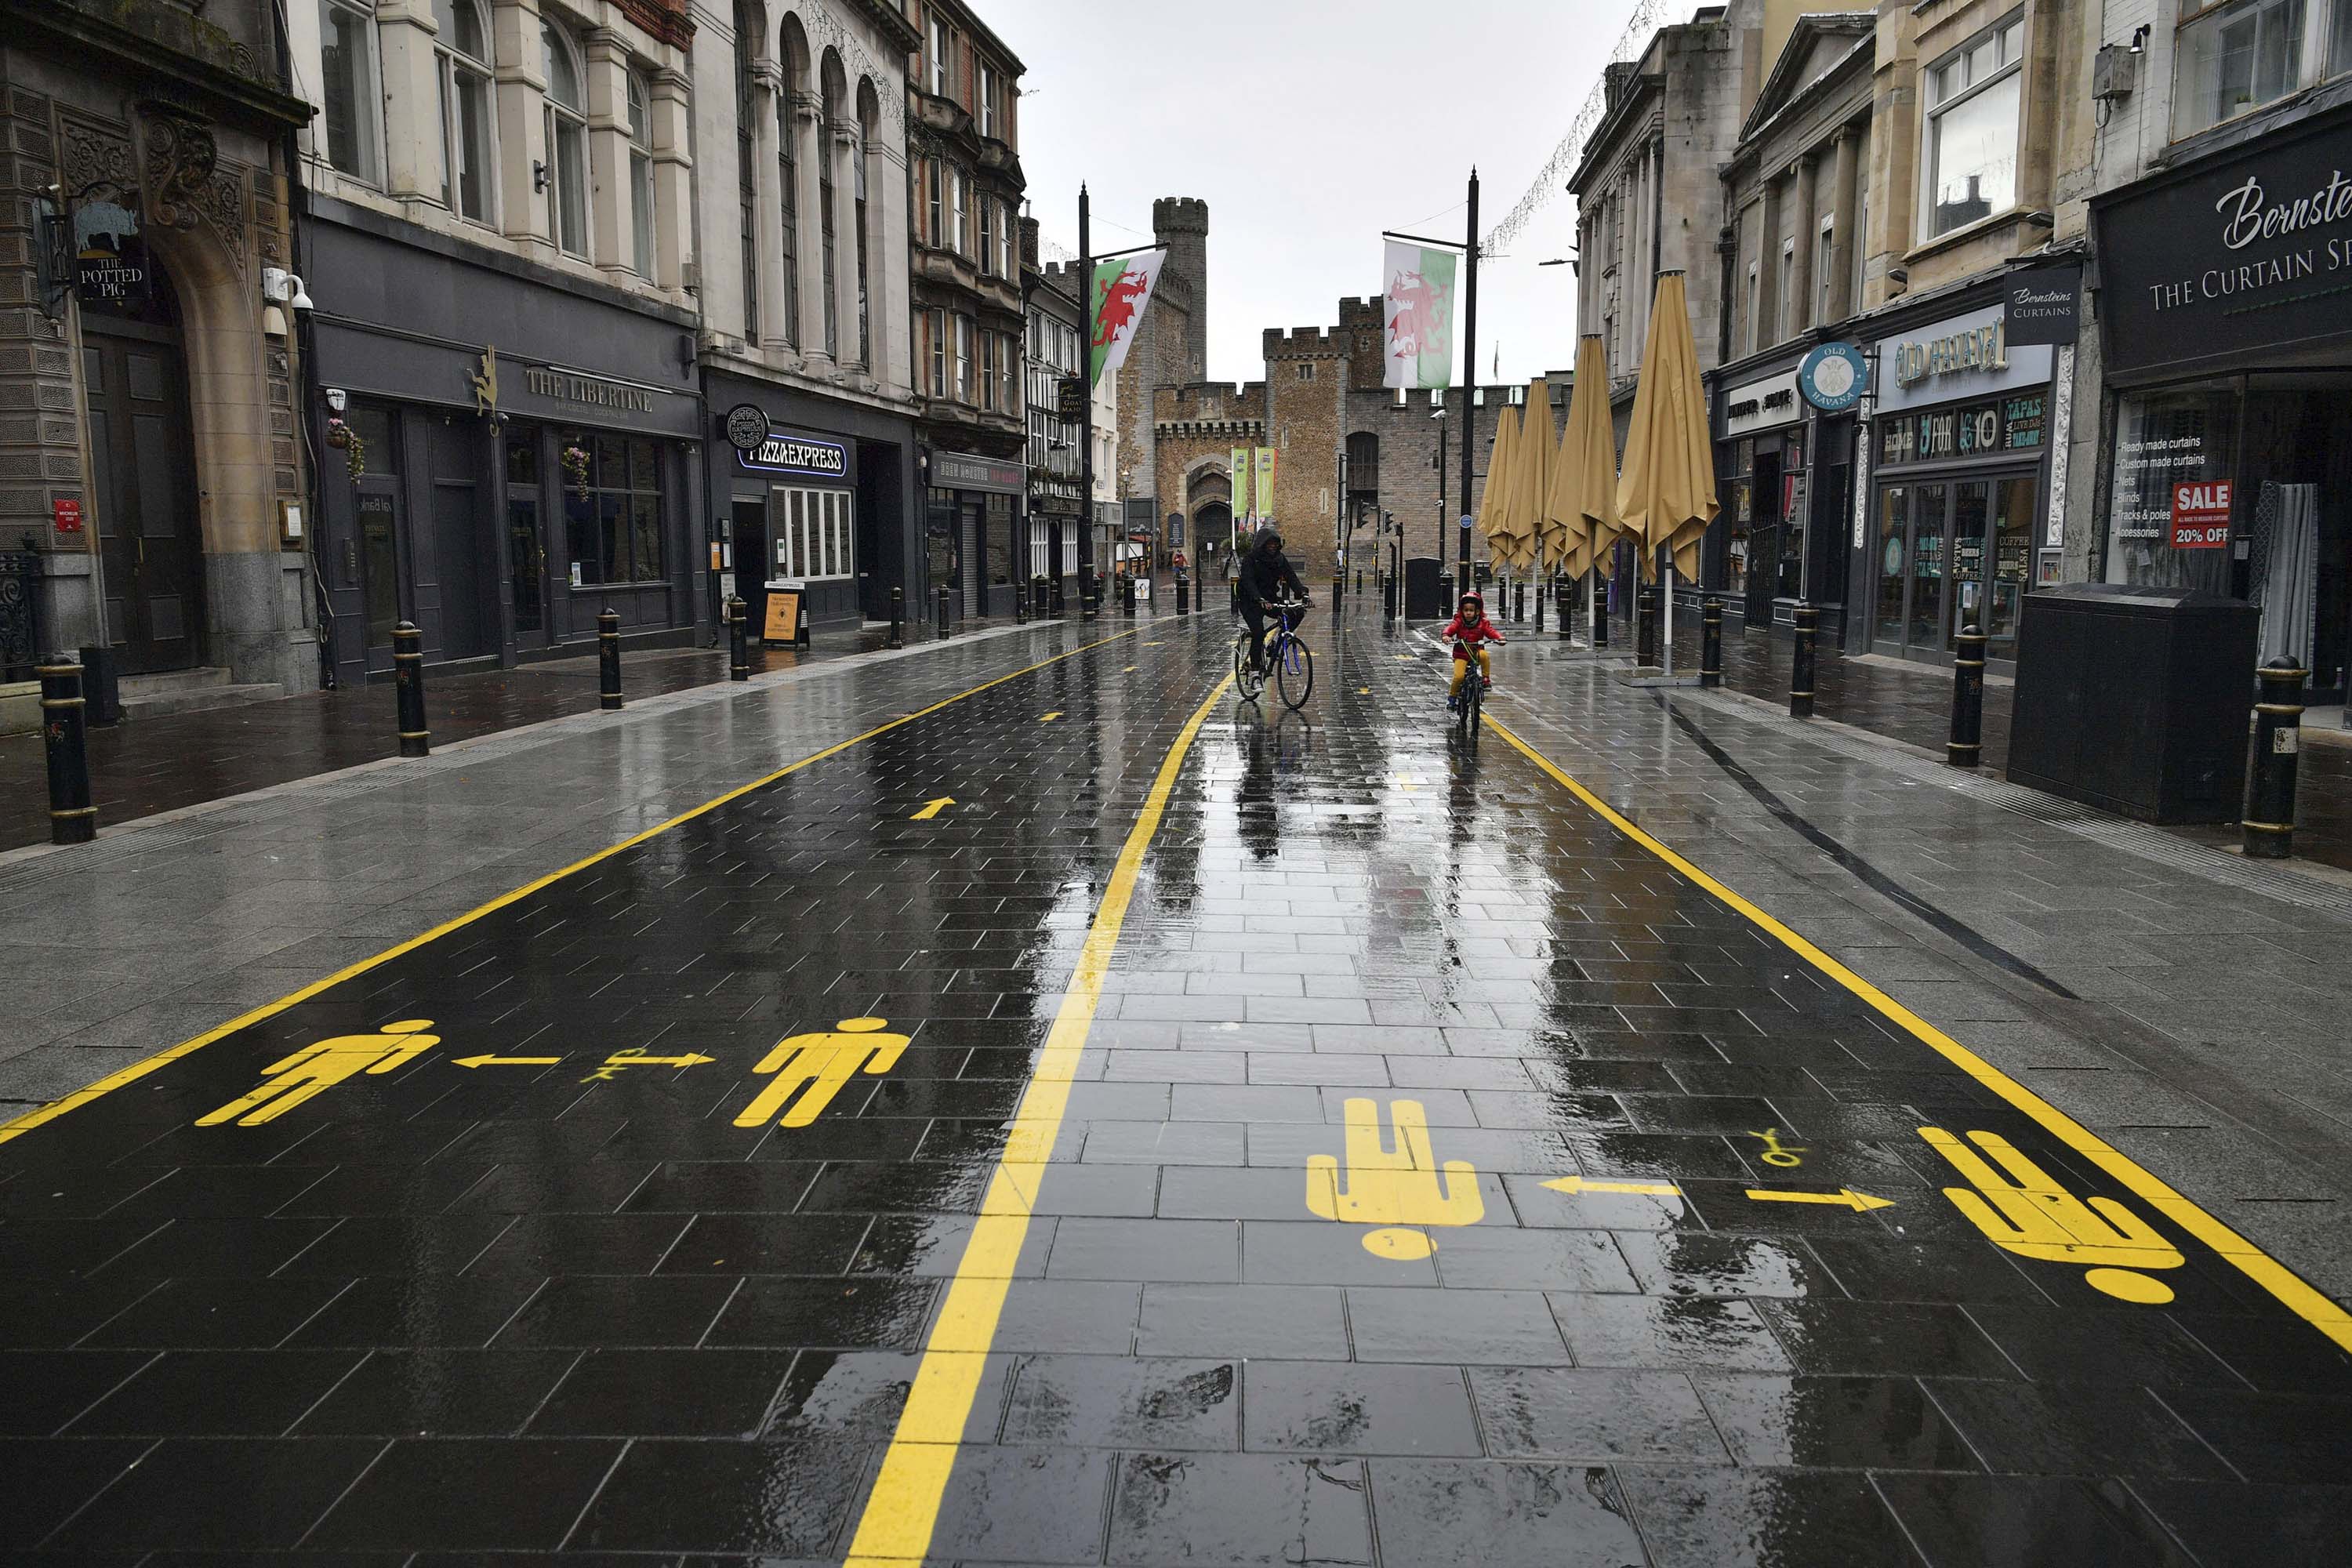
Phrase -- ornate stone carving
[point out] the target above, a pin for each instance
(180, 159)
(92, 155)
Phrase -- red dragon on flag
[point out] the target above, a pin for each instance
(1115, 310)
(1122, 289)
(1417, 322)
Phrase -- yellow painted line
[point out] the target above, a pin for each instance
(42, 1115)
(2273, 1275)
(1049, 718)
(903, 1508)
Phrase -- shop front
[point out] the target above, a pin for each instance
(2228, 350)
(1767, 553)
(810, 492)
(1054, 517)
(501, 486)
(1958, 442)
(974, 530)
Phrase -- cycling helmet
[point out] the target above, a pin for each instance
(1472, 597)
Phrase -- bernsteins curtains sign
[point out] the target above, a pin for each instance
(2240, 252)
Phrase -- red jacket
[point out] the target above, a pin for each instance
(1466, 639)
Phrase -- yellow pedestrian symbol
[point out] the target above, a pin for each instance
(822, 1063)
(318, 1067)
(1777, 1152)
(2029, 1214)
(1393, 1188)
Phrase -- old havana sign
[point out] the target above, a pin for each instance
(2246, 250)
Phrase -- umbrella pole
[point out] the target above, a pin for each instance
(1666, 611)
(1591, 606)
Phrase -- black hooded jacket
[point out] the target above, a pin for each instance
(1264, 574)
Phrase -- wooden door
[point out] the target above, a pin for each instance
(150, 546)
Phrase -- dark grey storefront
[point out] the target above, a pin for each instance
(1784, 479)
(975, 530)
(811, 491)
(533, 458)
(2227, 326)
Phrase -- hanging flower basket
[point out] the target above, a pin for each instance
(575, 467)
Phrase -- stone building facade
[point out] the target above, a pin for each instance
(148, 447)
(964, 128)
(1172, 342)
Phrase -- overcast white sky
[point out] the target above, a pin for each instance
(1308, 126)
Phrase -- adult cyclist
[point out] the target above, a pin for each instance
(1265, 572)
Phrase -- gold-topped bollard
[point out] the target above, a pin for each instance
(1966, 747)
(608, 659)
(1801, 666)
(408, 688)
(2269, 818)
(738, 639)
(65, 736)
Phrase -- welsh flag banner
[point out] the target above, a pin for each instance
(1264, 482)
(1243, 497)
(1418, 315)
(1122, 288)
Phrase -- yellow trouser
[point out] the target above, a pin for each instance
(1462, 668)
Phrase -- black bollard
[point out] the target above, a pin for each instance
(898, 618)
(1019, 608)
(1564, 601)
(608, 660)
(738, 639)
(1710, 642)
(1127, 593)
(1519, 602)
(1183, 595)
(1645, 626)
(1037, 601)
(941, 611)
(408, 688)
(1965, 748)
(1061, 599)
(2269, 821)
(1800, 668)
(1600, 615)
(73, 818)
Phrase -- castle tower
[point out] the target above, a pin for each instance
(1181, 223)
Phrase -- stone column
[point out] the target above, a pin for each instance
(411, 103)
(1846, 192)
(1808, 234)
(611, 242)
(673, 178)
(843, 141)
(1770, 328)
(767, 202)
(522, 128)
(809, 146)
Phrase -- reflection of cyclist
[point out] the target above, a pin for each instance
(1265, 573)
(1468, 629)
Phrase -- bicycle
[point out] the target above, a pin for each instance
(1466, 708)
(1292, 661)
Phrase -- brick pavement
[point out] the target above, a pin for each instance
(546, 1283)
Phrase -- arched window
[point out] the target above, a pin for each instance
(747, 179)
(347, 65)
(462, 62)
(788, 160)
(824, 183)
(641, 173)
(567, 142)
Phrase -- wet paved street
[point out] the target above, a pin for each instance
(1089, 1119)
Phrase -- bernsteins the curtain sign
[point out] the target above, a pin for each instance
(2244, 250)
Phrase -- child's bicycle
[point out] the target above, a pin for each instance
(1466, 708)
(1292, 662)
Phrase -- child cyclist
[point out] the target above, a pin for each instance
(1468, 629)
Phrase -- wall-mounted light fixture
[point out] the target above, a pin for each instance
(538, 178)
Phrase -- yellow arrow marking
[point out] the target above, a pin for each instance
(1846, 1196)
(1049, 718)
(1572, 1185)
(1363, 692)
(507, 1061)
(932, 808)
(1128, 670)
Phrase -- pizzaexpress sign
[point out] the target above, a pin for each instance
(2242, 251)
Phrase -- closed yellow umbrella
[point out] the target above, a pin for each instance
(1494, 503)
(1666, 494)
(1539, 446)
(1584, 480)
